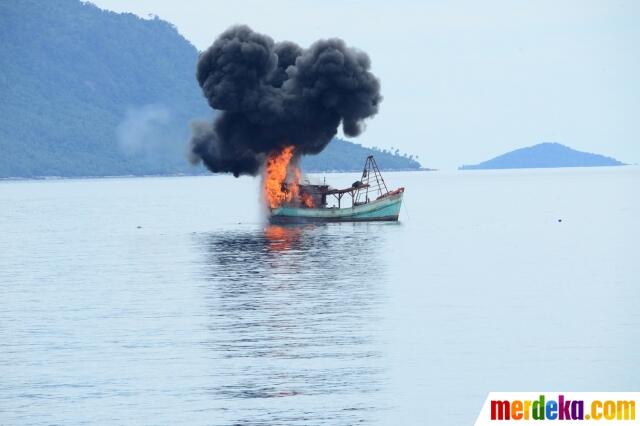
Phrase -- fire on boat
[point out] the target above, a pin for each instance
(290, 201)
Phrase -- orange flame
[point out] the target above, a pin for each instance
(282, 180)
(307, 200)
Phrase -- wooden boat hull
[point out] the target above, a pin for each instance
(383, 209)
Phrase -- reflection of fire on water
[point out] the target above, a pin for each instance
(281, 238)
(282, 181)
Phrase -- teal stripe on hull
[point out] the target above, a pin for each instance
(385, 209)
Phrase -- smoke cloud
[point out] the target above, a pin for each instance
(272, 95)
(152, 133)
(141, 127)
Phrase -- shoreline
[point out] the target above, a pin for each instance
(53, 178)
(424, 169)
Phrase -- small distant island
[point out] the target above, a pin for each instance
(544, 155)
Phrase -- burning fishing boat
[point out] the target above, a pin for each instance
(276, 102)
(289, 201)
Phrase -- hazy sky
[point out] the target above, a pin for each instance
(463, 81)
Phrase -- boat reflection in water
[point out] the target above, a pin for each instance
(292, 325)
(282, 238)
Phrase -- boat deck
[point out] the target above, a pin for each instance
(385, 208)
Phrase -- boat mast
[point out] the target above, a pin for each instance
(377, 184)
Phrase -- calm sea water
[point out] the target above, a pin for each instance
(169, 301)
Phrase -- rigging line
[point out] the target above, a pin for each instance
(406, 209)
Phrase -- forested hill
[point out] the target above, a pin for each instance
(71, 73)
(342, 156)
(88, 92)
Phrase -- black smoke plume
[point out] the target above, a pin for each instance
(270, 95)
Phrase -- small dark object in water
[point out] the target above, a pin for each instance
(139, 227)
(559, 220)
